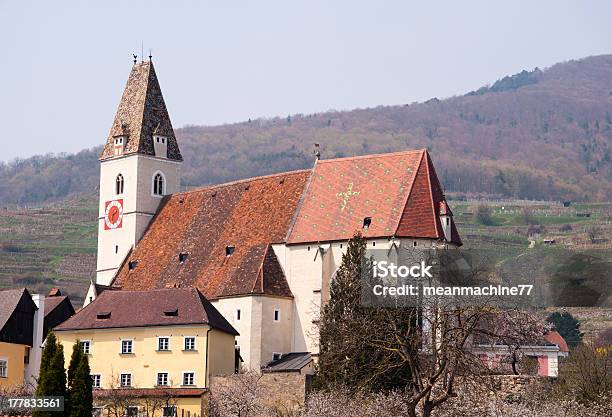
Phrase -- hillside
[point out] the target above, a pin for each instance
(534, 135)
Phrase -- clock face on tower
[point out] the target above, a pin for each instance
(113, 214)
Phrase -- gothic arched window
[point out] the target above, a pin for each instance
(119, 185)
(158, 184)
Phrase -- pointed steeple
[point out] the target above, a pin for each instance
(142, 112)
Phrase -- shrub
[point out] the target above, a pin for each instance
(482, 215)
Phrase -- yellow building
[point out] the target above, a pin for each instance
(17, 311)
(155, 348)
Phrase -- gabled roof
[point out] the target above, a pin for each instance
(9, 299)
(556, 339)
(249, 215)
(147, 308)
(399, 192)
(51, 303)
(142, 112)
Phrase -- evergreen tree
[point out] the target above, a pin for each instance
(75, 360)
(567, 326)
(47, 355)
(346, 327)
(52, 377)
(81, 398)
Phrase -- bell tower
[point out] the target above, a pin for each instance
(139, 165)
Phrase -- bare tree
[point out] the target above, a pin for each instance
(23, 390)
(236, 395)
(593, 233)
(155, 401)
(433, 341)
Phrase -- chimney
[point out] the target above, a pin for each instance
(55, 292)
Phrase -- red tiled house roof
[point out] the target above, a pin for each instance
(556, 339)
(141, 113)
(248, 215)
(147, 308)
(399, 192)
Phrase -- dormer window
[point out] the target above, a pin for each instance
(119, 184)
(118, 145)
(103, 315)
(367, 221)
(183, 257)
(229, 250)
(160, 144)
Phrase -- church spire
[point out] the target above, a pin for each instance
(141, 114)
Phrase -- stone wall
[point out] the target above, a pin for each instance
(284, 391)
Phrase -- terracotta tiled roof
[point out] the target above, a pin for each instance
(556, 339)
(101, 288)
(142, 112)
(186, 242)
(248, 215)
(119, 309)
(398, 192)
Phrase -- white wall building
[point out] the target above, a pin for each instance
(263, 250)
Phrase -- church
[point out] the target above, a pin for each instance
(263, 250)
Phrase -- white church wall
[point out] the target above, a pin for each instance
(260, 335)
(139, 206)
(276, 335)
(304, 270)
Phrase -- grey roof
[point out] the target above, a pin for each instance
(8, 302)
(289, 362)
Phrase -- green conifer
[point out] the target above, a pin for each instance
(81, 398)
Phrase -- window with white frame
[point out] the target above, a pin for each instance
(127, 346)
(277, 314)
(131, 411)
(3, 368)
(169, 411)
(190, 343)
(163, 343)
(125, 380)
(86, 346)
(276, 356)
(96, 380)
(119, 184)
(158, 184)
(162, 379)
(188, 378)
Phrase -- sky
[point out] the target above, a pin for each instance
(64, 64)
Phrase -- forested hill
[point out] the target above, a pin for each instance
(541, 134)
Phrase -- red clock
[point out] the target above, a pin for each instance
(113, 214)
